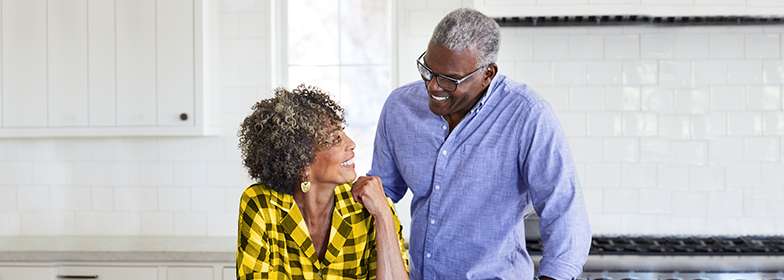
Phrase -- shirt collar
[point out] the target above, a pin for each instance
(478, 106)
(295, 226)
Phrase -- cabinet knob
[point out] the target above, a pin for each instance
(184, 116)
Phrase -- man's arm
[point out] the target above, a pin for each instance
(556, 195)
(383, 165)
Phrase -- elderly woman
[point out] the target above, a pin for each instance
(304, 219)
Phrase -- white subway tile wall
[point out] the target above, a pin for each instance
(673, 131)
(683, 126)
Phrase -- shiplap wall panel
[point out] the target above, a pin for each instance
(24, 63)
(101, 62)
(175, 61)
(67, 62)
(136, 73)
(1, 63)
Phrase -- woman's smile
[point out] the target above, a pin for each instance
(349, 163)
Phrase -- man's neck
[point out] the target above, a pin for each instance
(454, 119)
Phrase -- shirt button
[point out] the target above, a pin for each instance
(432, 222)
(428, 255)
(443, 152)
(443, 127)
(438, 187)
(319, 272)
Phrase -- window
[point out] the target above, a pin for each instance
(344, 47)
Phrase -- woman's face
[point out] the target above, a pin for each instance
(334, 166)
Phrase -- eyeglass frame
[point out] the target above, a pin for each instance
(436, 75)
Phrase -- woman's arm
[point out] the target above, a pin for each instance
(252, 245)
(369, 192)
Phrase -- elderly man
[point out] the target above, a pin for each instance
(476, 149)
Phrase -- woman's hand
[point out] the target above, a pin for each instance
(369, 192)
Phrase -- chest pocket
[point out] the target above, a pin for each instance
(477, 164)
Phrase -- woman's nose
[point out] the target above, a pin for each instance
(351, 145)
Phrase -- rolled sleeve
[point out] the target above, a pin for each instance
(559, 269)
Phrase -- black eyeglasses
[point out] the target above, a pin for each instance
(447, 83)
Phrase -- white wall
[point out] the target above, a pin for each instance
(142, 186)
(674, 130)
(690, 146)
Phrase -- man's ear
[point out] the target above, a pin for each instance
(489, 74)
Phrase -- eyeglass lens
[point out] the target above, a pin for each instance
(444, 83)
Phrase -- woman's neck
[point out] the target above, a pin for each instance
(315, 205)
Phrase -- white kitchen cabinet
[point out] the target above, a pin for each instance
(24, 63)
(189, 273)
(101, 63)
(106, 68)
(229, 273)
(67, 62)
(26, 273)
(117, 270)
(135, 62)
(175, 61)
(109, 272)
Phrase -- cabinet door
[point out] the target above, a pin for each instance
(24, 63)
(109, 272)
(101, 58)
(67, 49)
(189, 273)
(136, 62)
(26, 273)
(175, 50)
(229, 273)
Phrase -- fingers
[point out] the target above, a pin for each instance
(369, 192)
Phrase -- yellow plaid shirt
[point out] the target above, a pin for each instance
(274, 242)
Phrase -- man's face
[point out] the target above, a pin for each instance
(453, 64)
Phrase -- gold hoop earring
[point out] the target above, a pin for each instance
(305, 186)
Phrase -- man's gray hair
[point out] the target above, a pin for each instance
(468, 28)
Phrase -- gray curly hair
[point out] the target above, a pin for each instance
(468, 28)
(282, 135)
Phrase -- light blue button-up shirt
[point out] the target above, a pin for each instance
(471, 186)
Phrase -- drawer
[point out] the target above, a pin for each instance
(108, 272)
(26, 272)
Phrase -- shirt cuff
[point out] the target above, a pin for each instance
(558, 269)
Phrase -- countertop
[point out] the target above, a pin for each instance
(117, 249)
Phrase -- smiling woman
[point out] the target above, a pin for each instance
(306, 218)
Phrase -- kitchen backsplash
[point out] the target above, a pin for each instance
(673, 130)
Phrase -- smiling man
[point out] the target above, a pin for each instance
(476, 149)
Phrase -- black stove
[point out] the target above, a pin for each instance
(680, 257)
(679, 245)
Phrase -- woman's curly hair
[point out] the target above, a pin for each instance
(282, 135)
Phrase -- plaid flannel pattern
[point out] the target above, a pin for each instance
(274, 243)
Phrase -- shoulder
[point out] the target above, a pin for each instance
(407, 95)
(508, 91)
(259, 197)
(351, 210)
(344, 201)
(408, 90)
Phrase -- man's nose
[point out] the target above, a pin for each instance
(433, 85)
